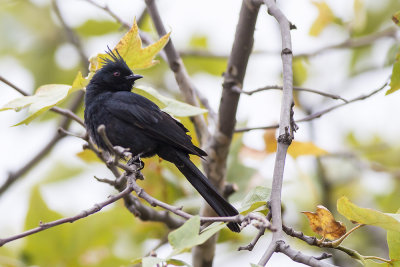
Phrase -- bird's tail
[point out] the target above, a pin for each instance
(206, 189)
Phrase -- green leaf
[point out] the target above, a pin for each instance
(187, 236)
(388, 221)
(153, 261)
(211, 65)
(46, 97)
(97, 27)
(395, 79)
(393, 240)
(61, 171)
(169, 105)
(299, 71)
(256, 198)
(36, 244)
(199, 41)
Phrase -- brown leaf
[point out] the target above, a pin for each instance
(323, 223)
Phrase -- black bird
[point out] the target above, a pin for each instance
(133, 121)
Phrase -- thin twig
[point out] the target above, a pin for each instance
(319, 113)
(71, 35)
(252, 244)
(296, 88)
(355, 42)
(110, 12)
(83, 214)
(313, 241)
(16, 88)
(68, 115)
(181, 75)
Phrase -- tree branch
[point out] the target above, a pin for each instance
(71, 35)
(69, 114)
(319, 113)
(182, 77)
(286, 128)
(296, 88)
(83, 214)
(218, 146)
(300, 257)
(355, 42)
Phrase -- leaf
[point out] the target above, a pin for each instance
(299, 71)
(130, 48)
(396, 18)
(80, 82)
(270, 141)
(211, 65)
(169, 105)
(323, 223)
(187, 236)
(388, 221)
(61, 171)
(153, 261)
(199, 41)
(93, 27)
(46, 97)
(88, 156)
(34, 245)
(256, 198)
(395, 79)
(325, 17)
(393, 240)
(360, 15)
(297, 149)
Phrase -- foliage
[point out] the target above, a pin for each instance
(318, 174)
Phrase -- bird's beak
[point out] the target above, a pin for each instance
(133, 77)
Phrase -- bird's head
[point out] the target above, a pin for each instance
(115, 75)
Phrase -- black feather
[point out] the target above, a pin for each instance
(135, 122)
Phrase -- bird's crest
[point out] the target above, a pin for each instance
(116, 58)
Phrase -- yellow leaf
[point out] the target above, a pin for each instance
(325, 17)
(80, 82)
(270, 141)
(323, 223)
(297, 149)
(130, 48)
(46, 97)
(88, 156)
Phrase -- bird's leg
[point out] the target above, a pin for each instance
(137, 161)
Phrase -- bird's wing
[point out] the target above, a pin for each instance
(144, 114)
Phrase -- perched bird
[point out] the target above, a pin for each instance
(133, 121)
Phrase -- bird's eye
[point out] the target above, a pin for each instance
(116, 74)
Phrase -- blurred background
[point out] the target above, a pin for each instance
(344, 48)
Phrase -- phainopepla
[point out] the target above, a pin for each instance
(133, 121)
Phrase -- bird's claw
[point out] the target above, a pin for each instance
(135, 160)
